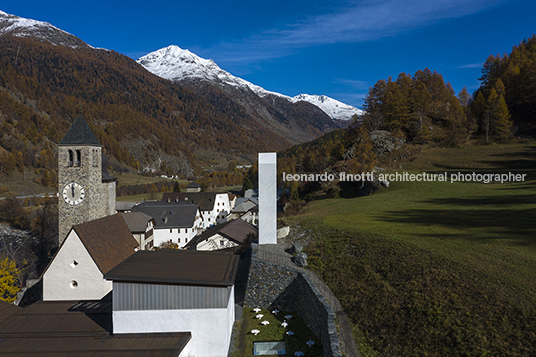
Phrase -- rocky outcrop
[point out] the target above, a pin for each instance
(384, 142)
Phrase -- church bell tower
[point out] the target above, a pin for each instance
(85, 189)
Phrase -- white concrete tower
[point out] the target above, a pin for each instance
(268, 198)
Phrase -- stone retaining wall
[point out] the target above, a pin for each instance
(274, 286)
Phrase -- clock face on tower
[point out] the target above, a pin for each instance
(73, 193)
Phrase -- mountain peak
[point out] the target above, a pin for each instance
(332, 107)
(42, 31)
(176, 64)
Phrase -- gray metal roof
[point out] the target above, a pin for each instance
(169, 215)
(80, 134)
(205, 200)
(244, 207)
(182, 267)
(136, 221)
(70, 328)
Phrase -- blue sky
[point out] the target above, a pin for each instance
(336, 48)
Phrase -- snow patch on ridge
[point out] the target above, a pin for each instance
(21, 27)
(175, 63)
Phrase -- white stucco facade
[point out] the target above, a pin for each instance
(267, 198)
(73, 274)
(219, 212)
(145, 239)
(181, 236)
(210, 328)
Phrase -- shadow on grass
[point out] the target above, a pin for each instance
(498, 201)
(524, 159)
(518, 225)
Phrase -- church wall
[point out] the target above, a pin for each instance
(73, 274)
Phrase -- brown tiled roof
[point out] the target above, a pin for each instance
(236, 230)
(182, 267)
(108, 240)
(64, 328)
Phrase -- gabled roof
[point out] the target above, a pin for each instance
(7, 309)
(108, 240)
(243, 207)
(193, 184)
(180, 214)
(236, 230)
(125, 205)
(136, 221)
(177, 267)
(80, 134)
(205, 200)
(67, 328)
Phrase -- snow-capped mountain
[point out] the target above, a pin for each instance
(332, 107)
(21, 27)
(180, 65)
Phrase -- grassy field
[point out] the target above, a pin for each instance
(20, 184)
(128, 179)
(473, 240)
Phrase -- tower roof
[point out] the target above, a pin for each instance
(80, 134)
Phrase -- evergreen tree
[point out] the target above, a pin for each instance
(374, 117)
(471, 122)
(176, 187)
(364, 159)
(501, 120)
(464, 97)
(246, 185)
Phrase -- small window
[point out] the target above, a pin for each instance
(74, 264)
(74, 284)
(71, 158)
(269, 348)
(78, 158)
(222, 243)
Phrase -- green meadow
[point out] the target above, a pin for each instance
(436, 268)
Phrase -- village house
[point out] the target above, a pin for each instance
(246, 209)
(214, 206)
(175, 222)
(231, 235)
(141, 226)
(193, 187)
(88, 252)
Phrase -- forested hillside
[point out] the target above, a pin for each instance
(513, 77)
(143, 122)
(423, 110)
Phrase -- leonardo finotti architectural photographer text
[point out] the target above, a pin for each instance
(406, 176)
